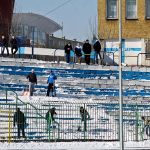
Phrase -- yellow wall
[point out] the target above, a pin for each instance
(139, 28)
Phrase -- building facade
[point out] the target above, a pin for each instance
(31, 27)
(135, 19)
(6, 11)
(135, 29)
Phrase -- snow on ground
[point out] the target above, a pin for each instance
(69, 145)
(74, 146)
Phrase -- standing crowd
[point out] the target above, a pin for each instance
(79, 51)
(84, 51)
(5, 43)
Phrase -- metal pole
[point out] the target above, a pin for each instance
(84, 122)
(9, 126)
(32, 42)
(120, 78)
(6, 96)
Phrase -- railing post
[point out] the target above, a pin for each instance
(138, 59)
(26, 110)
(49, 126)
(16, 102)
(118, 127)
(113, 59)
(33, 30)
(58, 132)
(36, 118)
(85, 125)
(6, 96)
(54, 55)
(137, 123)
(9, 126)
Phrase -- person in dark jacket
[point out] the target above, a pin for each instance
(50, 117)
(87, 51)
(4, 45)
(14, 45)
(32, 81)
(19, 119)
(78, 52)
(145, 125)
(68, 49)
(84, 117)
(84, 114)
(97, 49)
(51, 83)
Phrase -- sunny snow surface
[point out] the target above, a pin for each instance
(70, 145)
(74, 145)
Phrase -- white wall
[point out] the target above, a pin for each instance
(130, 50)
(42, 51)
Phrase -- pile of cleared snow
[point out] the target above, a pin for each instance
(44, 99)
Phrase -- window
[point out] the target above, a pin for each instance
(147, 7)
(112, 9)
(131, 9)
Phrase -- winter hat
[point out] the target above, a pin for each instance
(87, 41)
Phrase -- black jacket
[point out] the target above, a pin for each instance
(5, 42)
(19, 118)
(32, 78)
(14, 43)
(67, 49)
(78, 51)
(87, 48)
(97, 46)
(84, 114)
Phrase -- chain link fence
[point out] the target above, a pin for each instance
(96, 122)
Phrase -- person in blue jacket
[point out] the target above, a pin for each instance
(51, 83)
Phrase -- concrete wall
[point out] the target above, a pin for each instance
(131, 48)
(41, 51)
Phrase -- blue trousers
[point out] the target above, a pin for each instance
(67, 58)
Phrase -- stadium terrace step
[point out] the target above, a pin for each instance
(76, 82)
(39, 89)
(79, 84)
(77, 73)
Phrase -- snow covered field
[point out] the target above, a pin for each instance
(74, 146)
